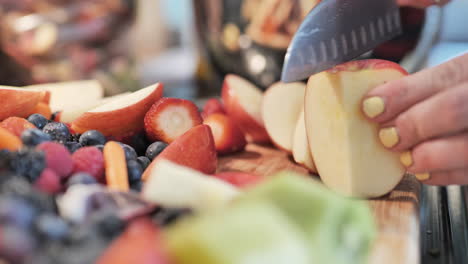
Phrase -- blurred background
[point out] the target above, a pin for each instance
(187, 45)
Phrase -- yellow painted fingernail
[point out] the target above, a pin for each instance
(373, 106)
(406, 158)
(422, 176)
(389, 136)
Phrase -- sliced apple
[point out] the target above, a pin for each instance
(122, 116)
(242, 101)
(347, 152)
(301, 150)
(281, 106)
(18, 102)
(174, 186)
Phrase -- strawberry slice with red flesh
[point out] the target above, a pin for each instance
(169, 118)
(212, 106)
(227, 135)
(194, 149)
(141, 242)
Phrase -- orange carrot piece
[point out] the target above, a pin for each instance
(116, 166)
(9, 141)
(43, 109)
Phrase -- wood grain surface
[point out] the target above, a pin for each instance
(396, 214)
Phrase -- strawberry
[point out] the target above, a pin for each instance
(239, 179)
(141, 242)
(16, 125)
(90, 160)
(194, 149)
(169, 118)
(212, 106)
(58, 158)
(227, 135)
(48, 182)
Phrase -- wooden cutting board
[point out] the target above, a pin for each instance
(396, 214)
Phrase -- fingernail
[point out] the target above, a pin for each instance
(422, 176)
(373, 106)
(389, 136)
(406, 158)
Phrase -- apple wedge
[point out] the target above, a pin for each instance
(281, 106)
(175, 186)
(347, 152)
(122, 116)
(301, 150)
(18, 102)
(242, 101)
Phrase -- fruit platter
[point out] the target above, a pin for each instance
(290, 175)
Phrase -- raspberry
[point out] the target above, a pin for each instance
(58, 158)
(16, 125)
(90, 160)
(48, 182)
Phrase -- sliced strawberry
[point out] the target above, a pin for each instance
(141, 242)
(169, 118)
(194, 149)
(212, 106)
(227, 135)
(238, 178)
(16, 125)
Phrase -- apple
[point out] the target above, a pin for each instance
(281, 106)
(18, 102)
(346, 149)
(175, 186)
(301, 150)
(122, 116)
(194, 149)
(242, 101)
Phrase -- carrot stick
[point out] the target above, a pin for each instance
(116, 166)
(9, 141)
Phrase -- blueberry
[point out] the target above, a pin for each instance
(134, 171)
(72, 146)
(33, 137)
(58, 131)
(28, 163)
(51, 226)
(21, 188)
(16, 211)
(17, 245)
(92, 137)
(130, 153)
(81, 178)
(137, 186)
(100, 147)
(154, 149)
(38, 120)
(144, 162)
(139, 143)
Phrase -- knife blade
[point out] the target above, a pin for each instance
(336, 31)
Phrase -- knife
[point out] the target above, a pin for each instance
(336, 31)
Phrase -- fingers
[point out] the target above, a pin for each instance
(387, 101)
(444, 154)
(445, 113)
(458, 177)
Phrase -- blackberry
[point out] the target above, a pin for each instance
(33, 137)
(58, 131)
(74, 138)
(144, 162)
(38, 120)
(134, 171)
(154, 149)
(91, 138)
(28, 163)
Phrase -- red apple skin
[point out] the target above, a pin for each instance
(194, 149)
(227, 135)
(141, 242)
(120, 122)
(254, 131)
(374, 64)
(18, 102)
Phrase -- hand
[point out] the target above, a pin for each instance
(425, 117)
(422, 3)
